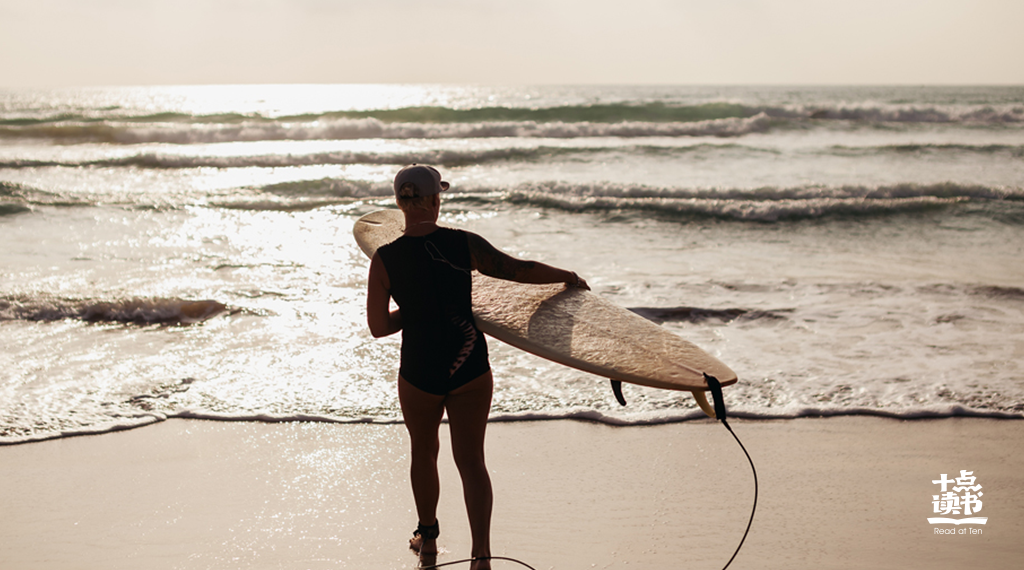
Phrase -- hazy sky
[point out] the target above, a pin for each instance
(46, 43)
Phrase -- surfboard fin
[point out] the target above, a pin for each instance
(617, 389)
(717, 411)
(702, 402)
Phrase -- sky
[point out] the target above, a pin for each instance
(60, 43)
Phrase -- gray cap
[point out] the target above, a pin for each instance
(426, 181)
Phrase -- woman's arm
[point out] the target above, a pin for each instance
(379, 316)
(491, 261)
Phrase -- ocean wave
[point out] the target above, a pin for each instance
(664, 417)
(19, 198)
(466, 157)
(768, 204)
(623, 112)
(743, 210)
(278, 204)
(985, 114)
(304, 195)
(764, 204)
(700, 315)
(447, 158)
(113, 117)
(994, 291)
(13, 435)
(584, 191)
(805, 192)
(371, 128)
(651, 120)
(655, 112)
(11, 208)
(440, 157)
(1009, 150)
(139, 311)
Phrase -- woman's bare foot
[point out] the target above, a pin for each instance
(428, 560)
(426, 548)
(423, 546)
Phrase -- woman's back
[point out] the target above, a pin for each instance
(431, 282)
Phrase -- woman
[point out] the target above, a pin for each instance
(444, 366)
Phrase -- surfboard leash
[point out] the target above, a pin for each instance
(475, 559)
(720, 414)
(715, 386)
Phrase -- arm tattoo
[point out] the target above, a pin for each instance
(491, 261)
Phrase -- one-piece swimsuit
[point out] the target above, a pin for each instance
(431, 282)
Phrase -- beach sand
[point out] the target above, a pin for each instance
(847, 492)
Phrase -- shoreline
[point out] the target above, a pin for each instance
(834, 492)
(586, 415)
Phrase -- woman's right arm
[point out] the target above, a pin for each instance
(493, 262)
(379, 316)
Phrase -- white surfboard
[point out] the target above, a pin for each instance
(573, 326)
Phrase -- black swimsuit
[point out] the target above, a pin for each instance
(431, 282)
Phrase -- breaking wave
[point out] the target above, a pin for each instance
(984, 114)
(742, 210)
(768, 204)
(139, 311)
(18, 198)
(369, 128)
(140, 410)
(1005, 111)
(599, 113)
(466, 157)
(765, 204)
(721, 119)
(661, 315)
(441, 157)
(11, 208)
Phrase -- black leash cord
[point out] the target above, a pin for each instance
(752, 509)
(474, 559)
(716, 392)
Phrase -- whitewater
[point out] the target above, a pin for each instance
(187, 251)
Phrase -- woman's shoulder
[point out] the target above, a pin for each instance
(390, 246)
(396, 247)
(455, 234)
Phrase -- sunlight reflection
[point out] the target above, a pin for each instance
(274, 100)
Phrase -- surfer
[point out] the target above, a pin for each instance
(444, 365)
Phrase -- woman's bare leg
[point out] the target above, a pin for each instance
(468, 408)
(422, 412)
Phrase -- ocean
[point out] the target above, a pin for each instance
(187, 251)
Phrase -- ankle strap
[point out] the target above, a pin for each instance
(428, 532)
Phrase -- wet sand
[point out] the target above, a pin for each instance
(849, 492)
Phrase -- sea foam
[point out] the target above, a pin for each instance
(140, 311)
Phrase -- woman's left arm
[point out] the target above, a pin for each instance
(493, 262)
(379, 316)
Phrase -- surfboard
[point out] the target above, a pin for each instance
(574, 327)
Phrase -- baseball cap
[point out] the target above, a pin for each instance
(426, 181)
